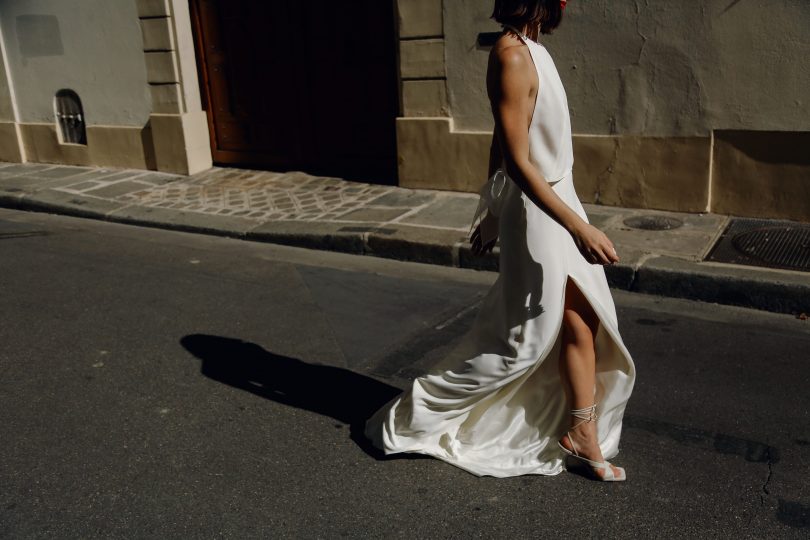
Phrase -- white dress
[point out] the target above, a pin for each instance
(495, 405)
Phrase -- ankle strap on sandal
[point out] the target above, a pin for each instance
(586, 414)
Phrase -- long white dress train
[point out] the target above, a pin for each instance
(495, 404)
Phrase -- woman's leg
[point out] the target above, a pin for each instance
(578, 368)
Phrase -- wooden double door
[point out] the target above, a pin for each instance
(300, 84)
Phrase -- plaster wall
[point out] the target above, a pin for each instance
(654, 67)
(6, 91)
(90, 46)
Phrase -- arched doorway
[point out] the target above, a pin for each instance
(300, 85)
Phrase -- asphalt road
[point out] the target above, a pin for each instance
(158, 384)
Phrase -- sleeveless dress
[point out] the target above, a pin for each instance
(495, 406)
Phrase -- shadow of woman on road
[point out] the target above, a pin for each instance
(335, 392)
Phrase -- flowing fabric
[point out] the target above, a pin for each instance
(494, 406)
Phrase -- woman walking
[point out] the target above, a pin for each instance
(543, 373)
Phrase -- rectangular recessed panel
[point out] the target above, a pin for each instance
(764, 242)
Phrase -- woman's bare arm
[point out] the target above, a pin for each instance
(508, 84)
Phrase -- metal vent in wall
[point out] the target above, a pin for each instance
(488, 39)
(70, 117)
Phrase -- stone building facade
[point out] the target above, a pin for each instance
(689, 106)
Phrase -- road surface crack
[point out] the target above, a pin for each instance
(770, 461)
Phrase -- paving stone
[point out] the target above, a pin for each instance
(449, 211)
(600, 221)
(685, 244)
(690, 241)
(410, 199)
(707, 223)
(32, 184)
(373, 214)
(106, 175)
(203, 175)
(114, 190)
(83, 185)
(23, 168)
(61, 172)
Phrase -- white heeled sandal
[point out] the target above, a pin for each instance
(588, 414)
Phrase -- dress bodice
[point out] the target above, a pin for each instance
(550, 145)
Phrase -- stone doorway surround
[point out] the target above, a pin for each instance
(178, 123)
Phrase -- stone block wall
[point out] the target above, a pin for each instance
(673, 108)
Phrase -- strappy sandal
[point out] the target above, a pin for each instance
(586, 415)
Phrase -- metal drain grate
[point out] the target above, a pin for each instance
(768, 243)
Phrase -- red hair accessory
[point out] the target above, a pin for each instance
(562, 4)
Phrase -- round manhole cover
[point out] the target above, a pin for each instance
(787, 247)
(653, 223)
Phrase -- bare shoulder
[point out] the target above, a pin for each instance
(508, 73)
(509, 54)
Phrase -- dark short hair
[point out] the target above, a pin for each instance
(518, 13)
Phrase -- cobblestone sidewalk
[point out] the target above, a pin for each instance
(261, 195)
(410, 224)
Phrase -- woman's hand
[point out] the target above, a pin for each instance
(594, 245)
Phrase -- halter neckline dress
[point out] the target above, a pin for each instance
(495, 406)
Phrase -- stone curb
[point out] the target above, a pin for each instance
(763, 289)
